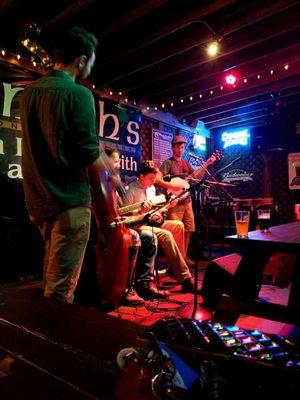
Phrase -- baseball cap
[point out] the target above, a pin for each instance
(178, 139)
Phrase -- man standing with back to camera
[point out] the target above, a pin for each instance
(59, 145)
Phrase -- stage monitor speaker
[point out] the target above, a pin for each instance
(259, 139)
(280, 268)
(229, 275)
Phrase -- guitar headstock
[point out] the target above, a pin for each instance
(217, 155)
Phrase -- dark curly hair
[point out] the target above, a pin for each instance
(147, 167)
(74, 43)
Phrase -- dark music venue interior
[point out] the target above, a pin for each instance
(222, 78)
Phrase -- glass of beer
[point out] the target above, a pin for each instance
(242, 223)
(264, 217)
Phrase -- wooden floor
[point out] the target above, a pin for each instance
(51, 350)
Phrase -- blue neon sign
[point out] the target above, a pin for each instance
(240, 137)
(199, 142)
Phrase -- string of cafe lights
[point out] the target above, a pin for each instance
(233, 82)
(216, 90)
(119, 96)
(16, 59)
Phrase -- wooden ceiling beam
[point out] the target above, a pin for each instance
(200, 110)
(150, 78)
(64, 17)
(156, 35)
(210, 76)
(123, 22)
(7, 5)
(256, 102)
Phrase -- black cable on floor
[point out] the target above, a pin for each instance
(159, 305)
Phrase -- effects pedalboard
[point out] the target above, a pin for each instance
(228, 341)
(229, 362)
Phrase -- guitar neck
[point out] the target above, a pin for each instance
(130, 208)
(201, 169)
(137, 206)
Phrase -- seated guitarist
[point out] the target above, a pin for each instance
(170, 234)
(143, 280)
(176, 165)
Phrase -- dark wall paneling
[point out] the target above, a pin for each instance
(146, 137)
(250, 164)
(266, 158)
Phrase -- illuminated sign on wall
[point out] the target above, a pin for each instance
(235, 137)
(199, 142)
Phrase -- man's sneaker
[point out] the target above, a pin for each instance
(132, 299)
(150, 291)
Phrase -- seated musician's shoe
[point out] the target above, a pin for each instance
(189, 262)
(188, 286)
(132, 299)
(150, 291)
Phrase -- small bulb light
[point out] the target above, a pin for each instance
(213, 48)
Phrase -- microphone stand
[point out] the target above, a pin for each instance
(227, 166)
(197, 205)
(196, 188)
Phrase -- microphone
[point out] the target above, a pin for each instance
(194, 156)
(236, 160)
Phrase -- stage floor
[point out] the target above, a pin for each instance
(53, 350)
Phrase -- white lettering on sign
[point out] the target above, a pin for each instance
(128, 163)
(9, 94)
(14, 171)
(199, 142)
(136, 136)
(102, 119)
(236, 137)
(132, 127)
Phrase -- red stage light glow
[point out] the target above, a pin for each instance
(230, 79)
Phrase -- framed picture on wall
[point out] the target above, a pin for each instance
(161, 146)
(294, 171)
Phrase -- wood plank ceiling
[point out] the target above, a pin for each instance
(154, 52)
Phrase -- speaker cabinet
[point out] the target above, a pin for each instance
(230, 275)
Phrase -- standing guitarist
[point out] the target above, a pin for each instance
(176, 165)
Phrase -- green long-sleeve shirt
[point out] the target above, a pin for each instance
(59, 141)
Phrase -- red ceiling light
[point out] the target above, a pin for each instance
(230, 79)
